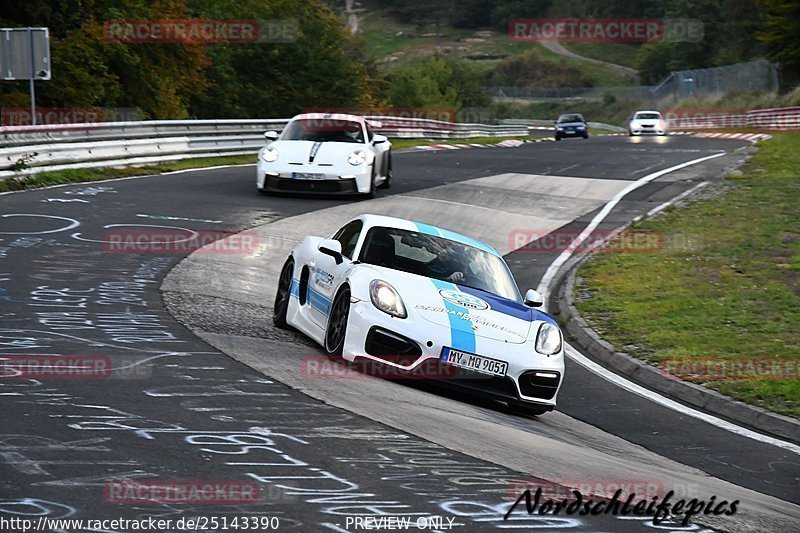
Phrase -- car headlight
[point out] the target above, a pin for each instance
(270, 155)
(559, 128)
(548, 339)
(581, 127)
(385, 298)
(357, 158)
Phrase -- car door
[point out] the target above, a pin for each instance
(325, 275)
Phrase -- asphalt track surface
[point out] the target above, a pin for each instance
(176, 408)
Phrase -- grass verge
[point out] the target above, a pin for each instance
(719, 303)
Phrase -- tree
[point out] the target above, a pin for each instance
(779, 33)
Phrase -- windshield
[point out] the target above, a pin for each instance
(324, 130)
(439, 258)
(647, 116)
(570, 118)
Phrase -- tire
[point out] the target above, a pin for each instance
(558, 138)
(283, 295)
(263, 192)
(387, 183)
(524, 409)
(336, 330)
(585, 137)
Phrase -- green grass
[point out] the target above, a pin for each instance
(724, 287)
(618, 53)
(379, 34)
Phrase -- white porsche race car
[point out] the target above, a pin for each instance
(325, 153)
(647, 123)
(409, 295)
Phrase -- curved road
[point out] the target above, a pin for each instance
(175, 407)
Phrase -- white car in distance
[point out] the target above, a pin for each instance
(330, 153)
(647, 123)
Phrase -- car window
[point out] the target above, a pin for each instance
(438, 258)
(647, 116)
(348, 237)
(570, 118)
(324, 130)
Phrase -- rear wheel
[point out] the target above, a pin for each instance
(283, 294)
(337, 324)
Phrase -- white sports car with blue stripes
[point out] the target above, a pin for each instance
(413, 297)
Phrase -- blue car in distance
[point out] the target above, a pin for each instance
(571, 125)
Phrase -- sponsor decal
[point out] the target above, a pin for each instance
(463, 299)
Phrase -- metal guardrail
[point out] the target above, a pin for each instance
(33, 149)
(548, 124)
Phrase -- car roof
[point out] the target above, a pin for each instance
(421, 227)
(646, 111)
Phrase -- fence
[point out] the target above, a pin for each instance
(32, 149)
(751, 77)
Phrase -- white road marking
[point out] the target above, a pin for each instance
(629, 386)
(616, 379)
(547, 279)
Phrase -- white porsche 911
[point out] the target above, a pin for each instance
(325, 153)
(408, 295)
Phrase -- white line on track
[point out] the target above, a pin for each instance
(547, 279)
(629, 386)
(616, 379)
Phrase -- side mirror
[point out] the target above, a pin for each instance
(271, 135)
(333, 248)
(533, 299)
(378, 139)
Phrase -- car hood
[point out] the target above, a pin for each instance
(570, 124)
(300, 152)
(460, 308)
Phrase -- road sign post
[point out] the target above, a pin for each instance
(25, 55)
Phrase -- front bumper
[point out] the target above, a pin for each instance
(334, 180)
(409, 346)
(647, 131)
(571, 133)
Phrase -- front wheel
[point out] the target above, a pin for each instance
(337, 324)
(283, 294)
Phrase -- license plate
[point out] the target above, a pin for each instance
(307, 176)
(476, 363)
